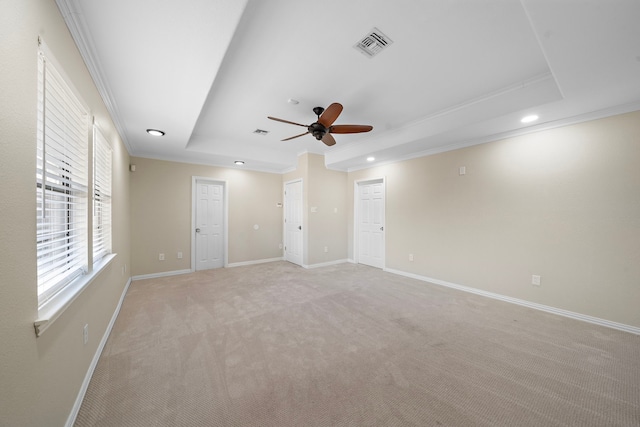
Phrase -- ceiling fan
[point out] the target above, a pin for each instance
(324, 127)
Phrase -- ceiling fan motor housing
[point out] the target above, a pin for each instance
(317, 130)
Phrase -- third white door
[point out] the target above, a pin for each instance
(370, 221)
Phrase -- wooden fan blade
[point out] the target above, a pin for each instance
(350, 128)
(330, 114)
(286, 121)
(292, 137)
(328, 139)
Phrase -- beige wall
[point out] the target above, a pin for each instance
(40, 377)
(563, 204)
(325, 190)
(328, 225)
(161, 214)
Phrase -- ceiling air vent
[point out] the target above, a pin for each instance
(261, 132)
(373, 43)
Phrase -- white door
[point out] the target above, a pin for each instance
(293, 222)
(371, 224)
(209, 232)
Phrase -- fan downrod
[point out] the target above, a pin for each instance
(318, 111)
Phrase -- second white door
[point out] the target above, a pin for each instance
(293, 237)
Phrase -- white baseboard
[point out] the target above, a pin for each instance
(259, 261)
(163, 274)
(325, 264)
(87, 378)
(536, 306)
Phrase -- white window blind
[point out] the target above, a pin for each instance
(101, 195)
(61, 182)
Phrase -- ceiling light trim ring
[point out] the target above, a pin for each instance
(155, 132)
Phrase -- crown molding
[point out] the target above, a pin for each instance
(568, 121)
(78, 28)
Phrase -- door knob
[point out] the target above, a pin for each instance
(197, 230)
(381, 228)
(299, 227)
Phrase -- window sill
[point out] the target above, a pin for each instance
(52, 309)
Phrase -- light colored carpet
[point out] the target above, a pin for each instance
(348, 345)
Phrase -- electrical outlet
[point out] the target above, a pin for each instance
(85, 333)
(410, 257)
(179, 255)
(326, 249)
(535, 280)
(161, 257)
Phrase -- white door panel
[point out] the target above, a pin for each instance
(293, 251)
(371, 224)
(209, 225)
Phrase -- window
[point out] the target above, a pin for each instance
(101, 195)
(61, 182)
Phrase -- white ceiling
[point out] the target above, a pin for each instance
(458, 73)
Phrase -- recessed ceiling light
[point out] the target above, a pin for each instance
(370, 159)
(529, 119)
(155, 132)
(293, 101)
(239, 162)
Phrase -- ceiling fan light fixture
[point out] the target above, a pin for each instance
(529, 118)
(155, 132)
(324, 127)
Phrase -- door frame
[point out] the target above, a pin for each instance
(284, 225)
(225, 209)
(356, 217)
